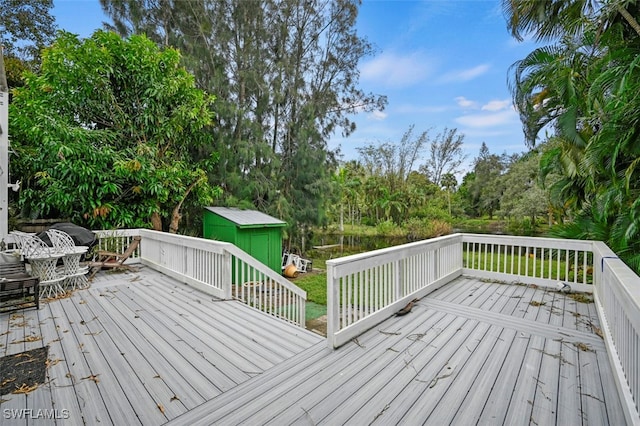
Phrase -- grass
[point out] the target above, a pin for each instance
(363, 231)
(523, 265)
(315, 284)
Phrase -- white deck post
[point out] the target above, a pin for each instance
(227, 275)
(4, 151)
(333, 306)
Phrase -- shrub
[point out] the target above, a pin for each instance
(388, 228)
(418, 229)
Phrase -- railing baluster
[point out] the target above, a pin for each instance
(350, 303)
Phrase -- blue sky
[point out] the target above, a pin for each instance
(441, 63)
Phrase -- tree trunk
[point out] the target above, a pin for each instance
(629, 18)
(156, 221)
(175, 214)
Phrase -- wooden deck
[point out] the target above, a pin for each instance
(472, 352)
(140, 348)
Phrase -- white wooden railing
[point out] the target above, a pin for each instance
(365, 289)
(217, 268)
(617, 298)
(529, 260)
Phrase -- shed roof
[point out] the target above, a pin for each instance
(246, 218)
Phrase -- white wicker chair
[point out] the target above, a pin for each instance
(43, 260)
(74, 272)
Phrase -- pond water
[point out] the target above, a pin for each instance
(349, 244)
(354, 243)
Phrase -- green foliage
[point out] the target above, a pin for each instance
(585, 86)
(103, 134)
(420, 229)
(524, 226)
(14, 70)
(435, 210)
(445, 156)
(522, 196)
(387, 227)
(26, 27)
(482, 188)
(286, 77)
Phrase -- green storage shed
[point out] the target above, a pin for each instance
(255, 232)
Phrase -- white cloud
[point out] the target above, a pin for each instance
(377, 115)
(488, 120)
(496, 105)
(466, 103)
(396, 70)
(465, 75)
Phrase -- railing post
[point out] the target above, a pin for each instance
(227, 279)
(188, 267)
(302, 316)
(333, 306)
(397, 280)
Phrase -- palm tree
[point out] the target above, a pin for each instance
(552, 19)
(585, 87)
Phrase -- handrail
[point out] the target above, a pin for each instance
(617, 299)
(266, 290)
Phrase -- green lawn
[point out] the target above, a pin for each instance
(315, 284)
(529, 266)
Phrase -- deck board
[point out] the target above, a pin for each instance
(471, 352)
(160, 334)
(90, 400)
(58, 380)
(416, 352)
(180, 339)
(241, 334)
(129, 373)
(138, 348)
(152, 358)
(98, 373)
(141, 348)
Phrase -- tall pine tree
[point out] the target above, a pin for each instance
(285, 75)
